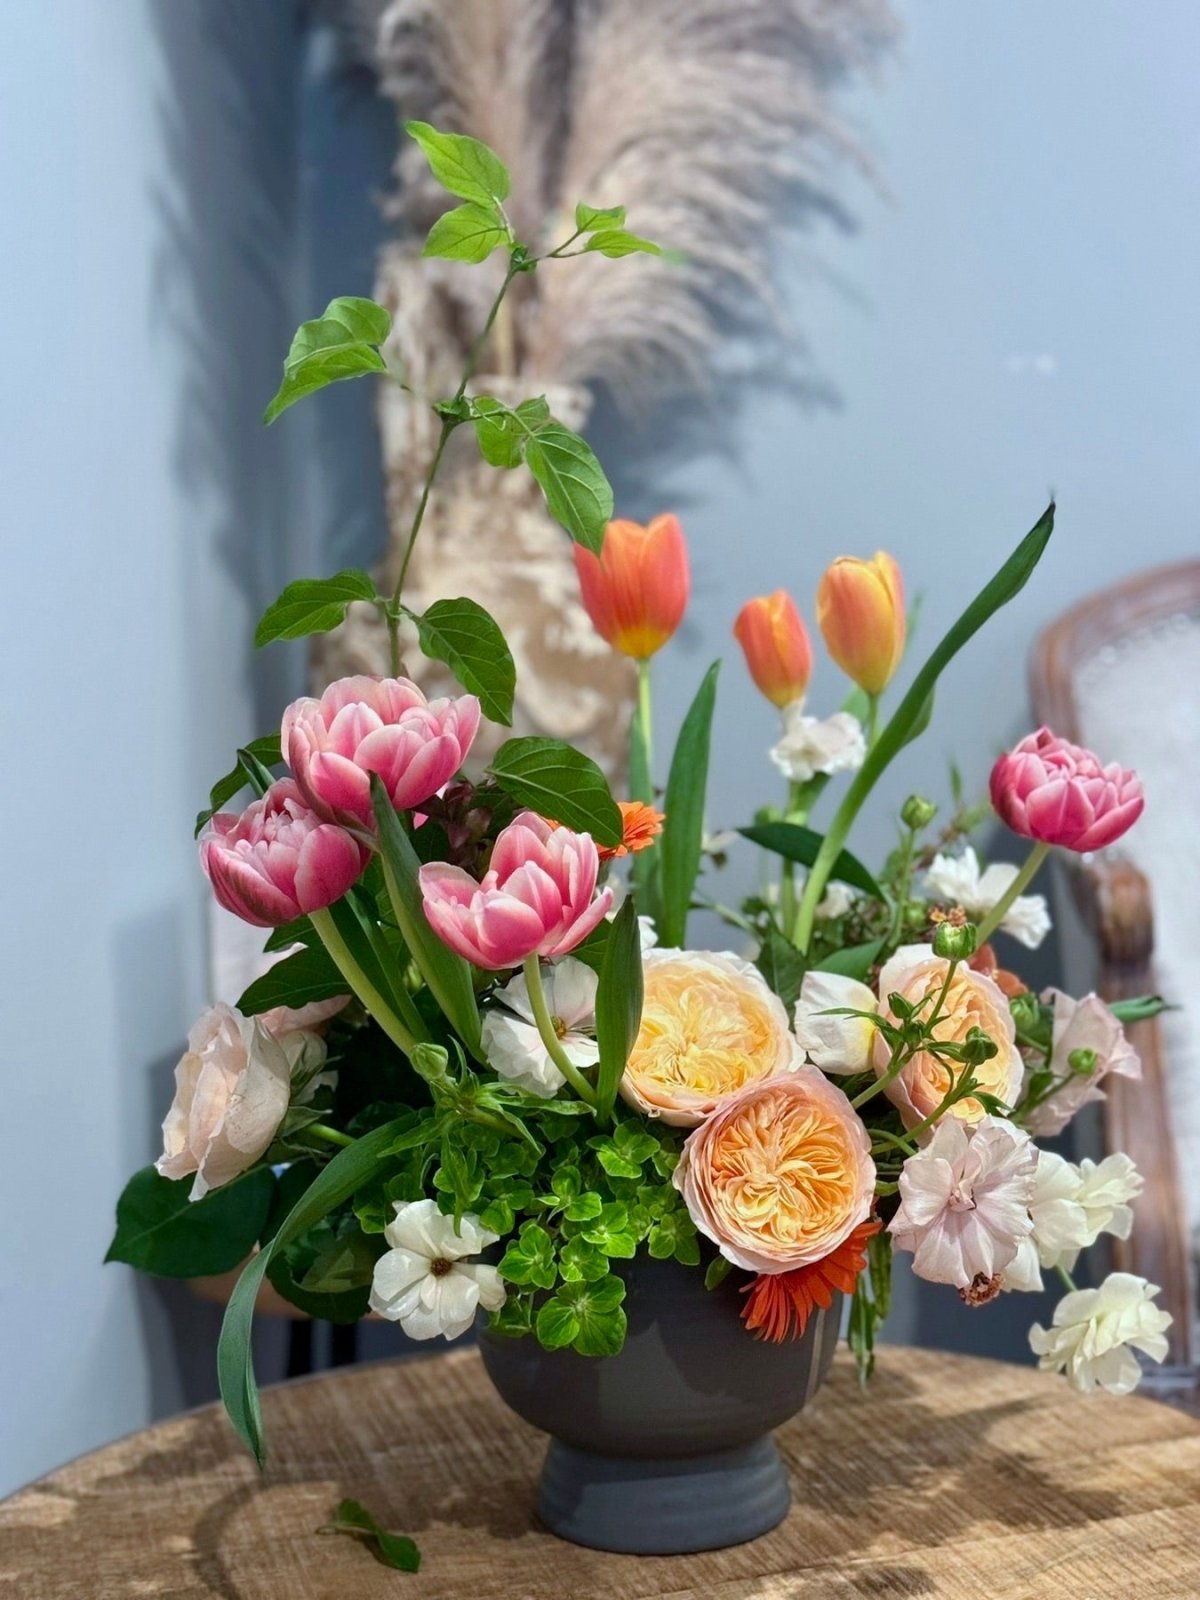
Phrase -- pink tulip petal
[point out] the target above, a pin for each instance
(329, 863)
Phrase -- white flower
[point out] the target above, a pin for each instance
(1096, 1331)
(647, 933)
(1071, 1207)
(810, 745)
(964, 1201)
(958, 880)
(424, 1282)
(835, 1043)
(838, 900)
(514, 1046)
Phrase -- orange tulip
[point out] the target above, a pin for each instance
(776, 645)
(860, 611)
(636, 590)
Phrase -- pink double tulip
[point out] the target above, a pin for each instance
(538, 896)
(278, 860)
(1048, 789)
(363, 725)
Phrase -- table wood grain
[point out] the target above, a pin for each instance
(953, 1477)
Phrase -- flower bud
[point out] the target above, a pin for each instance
(776, 646)
(636, 590)
(978, 1047)
(954, 942)
(860, 611)
(1027, 1012)
(1083, 1062)
(917, 812)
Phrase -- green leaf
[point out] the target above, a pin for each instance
(160, 1230)
(342, 343)
(598, 1310)
(577, 493)
(675, 1237)
(618, 1004)
(391, 1549)
(584, 1207)
(464, 636)
(683, 830)
(501, 431)
(855, 961)
(446, 973)
(468, 233)
(620, 242)
(462, 165)
(581, 1262)
(560, 783)
(307, 974)
(717, 1271)
(795, 843)
(782, 965)
(557, 1324)
(291, 933)
(497, 1216)
(327, 1276)
(1140, 1008)
(313, 605)
(530, 1258)
(589, 217)
(265, 752)
(611, 1232)
(348, 1171)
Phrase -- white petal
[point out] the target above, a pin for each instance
(571, 992)
(395, 1272)
(835, 1043)
(515, 1051)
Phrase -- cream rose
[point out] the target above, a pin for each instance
(232, 1088)
(973, 1000)
(710, 1025)
(781, 1173)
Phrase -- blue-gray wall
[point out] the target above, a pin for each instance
(1022, 316)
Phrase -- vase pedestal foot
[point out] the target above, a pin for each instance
(663, 1506)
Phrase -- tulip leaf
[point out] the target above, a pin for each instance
(444, 970)
(796, 843)
(341, 343)
(577, 493)
(618, 1003)
(160, 1230)
(313, 605)
(683, 830)
(265, 752)
(464, 636)
(468, 233)
(349, 1170)
(306, 975)
(561, 784)
(464, 166)
(394, 1550)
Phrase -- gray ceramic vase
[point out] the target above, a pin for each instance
(665, 1447)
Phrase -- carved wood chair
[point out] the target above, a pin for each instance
(1120, 673)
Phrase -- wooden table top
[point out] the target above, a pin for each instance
(955, 1477)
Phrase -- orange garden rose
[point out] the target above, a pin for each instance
(780, 1303)
(860, 612)
(710, 1026)
(636, 590)
(973, 1000)
(780, 1175)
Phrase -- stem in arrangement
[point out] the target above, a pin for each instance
(1022, 880)
(360, 984)
(319, 1130)
(872, 719)
(545, 1026)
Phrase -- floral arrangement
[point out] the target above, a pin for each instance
(486, 1069)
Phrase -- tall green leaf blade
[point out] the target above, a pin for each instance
(160, 1230)
(683, 831)
(577, 493)
(468, 233)
(446, 973)
(313, 605)
(342, 343)
(468, 639)
(796, 843)
(618, 1003)
(559, 783)
(464, 166)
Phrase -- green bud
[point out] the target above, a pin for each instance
(1083, 1062)
(978, 1047)
(917, 812)
(954, 943)
(432, 1062)
(1026, 1011)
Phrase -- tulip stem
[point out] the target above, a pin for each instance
(532, 969)
(360, 984)
(645, 727)
(320, 1130)
(872, 719)
(1024, 877)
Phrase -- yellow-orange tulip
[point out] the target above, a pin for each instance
(776, 646)
(860, 611)
(636, 590)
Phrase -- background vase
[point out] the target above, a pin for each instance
(666, 1447)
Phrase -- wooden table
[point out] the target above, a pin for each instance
(957, 1477)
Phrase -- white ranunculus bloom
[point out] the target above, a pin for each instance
(1096, 1331)
(1071, 1207)
(811, 744)
(835, 1043)
(512, 1043)
(647, 933)
(958, 880)
(839, 898)
(425, 1281)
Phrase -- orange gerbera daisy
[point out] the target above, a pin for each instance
(781, 1303)
(642, 824)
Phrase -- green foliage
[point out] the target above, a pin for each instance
(468, 233)
(587, 1316)
(501, 431)
(683, 831)
(782, 965)
(618, 1003)
(855, 961)
(313, 605)
(796, 843)
(463, 635)
(529, 1259)
(327, 1272)
(391, 1549)
(342, 343)
(464, 166)
(577, 492)
(870, 1304)
(255, 756)
(307, 974)
(160, 1230)
(589, 217)
(620, 242)
(558, 781)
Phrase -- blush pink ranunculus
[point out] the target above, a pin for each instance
(363, 725)
(538, 895)
(1048, 789)
(278, 860)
